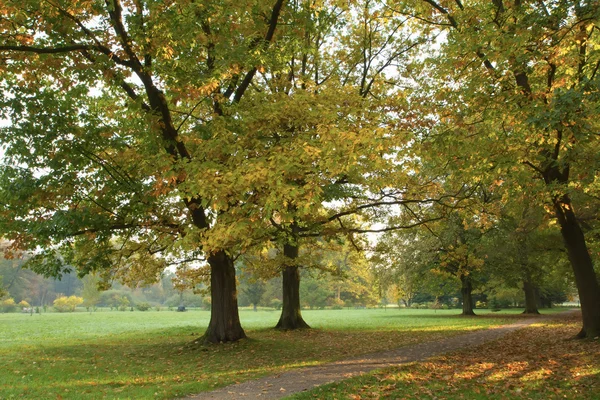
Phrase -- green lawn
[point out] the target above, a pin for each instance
(144, 354)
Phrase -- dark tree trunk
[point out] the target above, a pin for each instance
(583, 268)
(255, 309)
(224, 323)
(291, 316)
(467, 297)
(530, 297)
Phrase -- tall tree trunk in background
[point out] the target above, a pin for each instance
(291, 316)
(224, 323)
(583, 268)
(530, 297)
(467, 297)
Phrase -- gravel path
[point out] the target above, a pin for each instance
(288, 383)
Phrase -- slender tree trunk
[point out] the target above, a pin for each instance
(291, 316)
(583, 268)
(467, 297)
(224, 323)
(255, 308)
(530, 297)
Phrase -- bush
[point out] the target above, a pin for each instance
(206, 303)
(67, 304)
(494, 304)
(276, 304)
(143, 306)
(336, 304)
(23, 304)
(189, 300)
(8, 306)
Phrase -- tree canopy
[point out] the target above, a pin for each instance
(143, 134)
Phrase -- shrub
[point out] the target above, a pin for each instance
(276, 304)
(8, 306)
(206, 303)
(494, 304)
(67, 304)
(143, 306)
(336, 304)
(23, 304)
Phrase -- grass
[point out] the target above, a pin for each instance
(143, 355)
(538, 363)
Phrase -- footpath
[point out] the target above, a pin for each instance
(288, 383)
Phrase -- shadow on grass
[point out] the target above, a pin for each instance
(158, 364)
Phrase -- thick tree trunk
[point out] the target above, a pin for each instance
(467, 297)
(224, 323)
(530, 298)
(291, 316)
(583, 268)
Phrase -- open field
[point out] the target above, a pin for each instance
(144, 354)
(539, 362)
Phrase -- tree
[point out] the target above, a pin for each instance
(253, 289)
(404, 260)
(114, 177)
(3, 292)
(517, 85)
(89, 292)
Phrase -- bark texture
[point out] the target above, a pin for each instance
(291, 315)
(531, 298)
(583, 268)
(224, 323)
(467, 297)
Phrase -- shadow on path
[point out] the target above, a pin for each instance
(288, 383)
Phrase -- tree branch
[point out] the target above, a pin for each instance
(267, 40)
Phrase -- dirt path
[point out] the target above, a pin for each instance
(288, 383)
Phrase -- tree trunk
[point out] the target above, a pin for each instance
(224, 323)
(291, 316)
(255, 308)
(583, 268)
(467, 297)
(530, 297)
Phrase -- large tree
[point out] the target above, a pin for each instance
(516, 84)
(119, 112)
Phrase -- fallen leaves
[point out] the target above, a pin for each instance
(538, 362)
